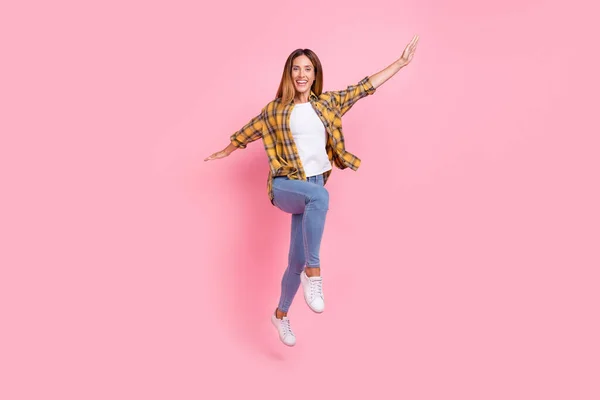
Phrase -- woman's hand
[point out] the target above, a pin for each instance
(217, 155)
(222, 154)
(409, 51)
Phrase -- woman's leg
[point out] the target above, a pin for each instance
(308, 203)
(296, 261)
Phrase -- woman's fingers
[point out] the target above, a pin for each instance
(413, 43)
(409, 51)
(217, 155)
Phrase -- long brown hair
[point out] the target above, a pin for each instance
(287, 91)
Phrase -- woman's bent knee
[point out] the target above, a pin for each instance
(319, 200)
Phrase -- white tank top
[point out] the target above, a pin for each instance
(310, 138)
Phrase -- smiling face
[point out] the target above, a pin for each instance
(303, 74)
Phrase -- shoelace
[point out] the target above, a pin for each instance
(287, 329)
(316, 288)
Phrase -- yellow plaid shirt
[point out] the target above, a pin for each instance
(273, 126)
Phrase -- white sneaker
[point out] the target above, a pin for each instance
(285, 330)
(313, 292)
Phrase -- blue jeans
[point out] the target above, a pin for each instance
(308, 202)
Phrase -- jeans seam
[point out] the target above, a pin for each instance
(288, 271)
(305, 240)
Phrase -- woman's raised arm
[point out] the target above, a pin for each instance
(382, 76)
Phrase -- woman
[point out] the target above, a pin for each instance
(302, 134)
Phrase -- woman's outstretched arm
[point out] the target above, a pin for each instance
(345, 99)
(382, 76)
(249, 133)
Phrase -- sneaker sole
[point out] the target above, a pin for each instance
(312, 309)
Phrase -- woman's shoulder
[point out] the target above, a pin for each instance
(274, 102)
(273, 106)
(326, 95)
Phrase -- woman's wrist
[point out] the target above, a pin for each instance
(230, 148)
(401, 63)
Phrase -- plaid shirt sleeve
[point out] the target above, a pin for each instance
(345, 99)
(249, 133)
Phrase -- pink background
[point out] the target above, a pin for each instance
(460, 262)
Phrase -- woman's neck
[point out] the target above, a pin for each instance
(301, 98)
